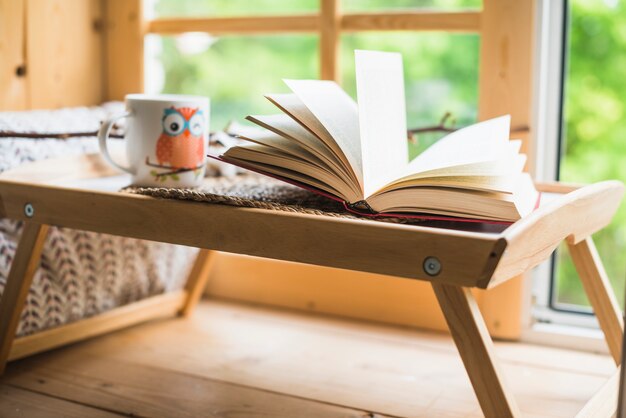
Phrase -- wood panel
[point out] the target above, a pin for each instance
(13, 93)
(160, 306)
(135, 389)
(69, 168)
(505, 86)
(363, 245)
(359, 366)
(235, 25)
(326, 290)
(574, 216)
(16, 402)
(197, 279)
(64, 53)
(329, 40)
(506, 59)
(407, 20)
(557, 187)
(124, 56)
(468, 21)
(502, 308)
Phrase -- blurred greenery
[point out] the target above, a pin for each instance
(235, 72)
(374, 5)
(441, 74)
(196, 8)
(595, 128)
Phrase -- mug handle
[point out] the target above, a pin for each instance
(103, 135)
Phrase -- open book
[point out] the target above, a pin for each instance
(326, 142)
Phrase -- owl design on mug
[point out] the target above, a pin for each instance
(181, 145)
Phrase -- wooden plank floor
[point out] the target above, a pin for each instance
(232, 360)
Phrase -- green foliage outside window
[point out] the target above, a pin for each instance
(595, 127)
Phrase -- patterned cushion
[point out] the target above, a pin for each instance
(81, 273)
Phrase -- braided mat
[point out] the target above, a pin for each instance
(255, 191)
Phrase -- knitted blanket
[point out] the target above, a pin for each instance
(82, 273)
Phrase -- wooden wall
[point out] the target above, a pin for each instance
(57, 53)
(12, 55)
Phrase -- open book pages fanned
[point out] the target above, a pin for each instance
(357, 152)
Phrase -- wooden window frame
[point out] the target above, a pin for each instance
(506, 28)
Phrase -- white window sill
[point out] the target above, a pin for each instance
(566, 336)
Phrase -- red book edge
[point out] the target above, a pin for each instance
(365, 214)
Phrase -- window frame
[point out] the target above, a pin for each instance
(329, 23)
(546, 323)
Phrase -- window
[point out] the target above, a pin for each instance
(583, 47)
(441, 69)
(592, 144)
(234, 71)
(222, 8)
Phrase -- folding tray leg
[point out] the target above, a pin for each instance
(475, 346)
(600, 294)
(23, 267)
(197, 280)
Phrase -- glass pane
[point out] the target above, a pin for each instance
(440, 72)
(380, 5)
(235, 72)
(595, 129)
(214, 8)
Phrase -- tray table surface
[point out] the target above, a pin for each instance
(83, 193)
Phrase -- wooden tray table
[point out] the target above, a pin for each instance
(83, 193)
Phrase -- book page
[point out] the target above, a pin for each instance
(507, 162)
(272, 140)
(483, 141)
(268, 160)
(299, 113)
(382, 117)
(337, 112)
(284, 125)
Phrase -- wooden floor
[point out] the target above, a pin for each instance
(232, 360)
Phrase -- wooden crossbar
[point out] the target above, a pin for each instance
(197, 280)
(23, 268)
(160, 306)
(466, 21)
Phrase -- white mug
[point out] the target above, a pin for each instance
(166, 139)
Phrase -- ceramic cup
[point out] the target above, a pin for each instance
(166, 139)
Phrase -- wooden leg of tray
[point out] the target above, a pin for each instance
(604, 403)
(197, 280)
(600, 294)
(475, 346)
(23, 267)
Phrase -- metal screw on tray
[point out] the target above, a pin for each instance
(20, 70)
(432, 266)
(29, 210)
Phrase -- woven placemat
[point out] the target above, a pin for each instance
(254, 191)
